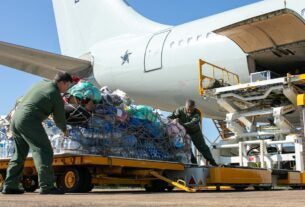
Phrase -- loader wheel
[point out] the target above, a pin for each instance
(240, 187)
(30, 183)
(2, 178)
(170, 188)
(156, 186)
(71, 180)
(86, 183)
(258, 188)
(296, 187)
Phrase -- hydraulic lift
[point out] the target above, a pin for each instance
(265, 118)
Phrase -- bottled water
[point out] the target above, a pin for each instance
(57, 143)
(2, 148)
(9, 148)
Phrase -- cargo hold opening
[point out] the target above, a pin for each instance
(280, 60)
(274, 41)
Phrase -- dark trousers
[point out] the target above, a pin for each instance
(29, 134)
(198, 141)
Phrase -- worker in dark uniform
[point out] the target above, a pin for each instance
(190, 117)
(42, 100)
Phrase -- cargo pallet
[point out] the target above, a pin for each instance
(80, 173)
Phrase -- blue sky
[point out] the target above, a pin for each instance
(31, 23)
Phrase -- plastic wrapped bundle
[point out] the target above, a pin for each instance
(142, 112)
(85, 90)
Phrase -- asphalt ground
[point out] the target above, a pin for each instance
(139, 198)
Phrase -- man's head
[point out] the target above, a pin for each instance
(190, 106)
(63, 81)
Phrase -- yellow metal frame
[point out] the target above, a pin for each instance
(68, 160)
(226, 175)
(302, 77)
(225, 75)
(302, 175)
(293, 178)
(301, 100)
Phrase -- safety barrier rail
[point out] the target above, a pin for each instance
(210, 73)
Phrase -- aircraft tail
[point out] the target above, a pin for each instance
(82, 23)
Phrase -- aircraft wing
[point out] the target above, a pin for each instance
(267, 31)
(41, 63)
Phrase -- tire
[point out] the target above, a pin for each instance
(296, 187)
(2, 178)
(240, 187)
(156, 186)
(30, 183)
(258, 188)
(71, 181)
(170, 188)
(86, 181)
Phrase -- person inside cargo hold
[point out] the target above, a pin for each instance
(42, 100)
(190, 117)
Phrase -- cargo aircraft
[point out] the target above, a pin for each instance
(109, 43)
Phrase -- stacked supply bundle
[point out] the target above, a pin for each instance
(6, 143)
(108, 123)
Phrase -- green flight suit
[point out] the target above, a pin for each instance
(191, 123)
(42, 100)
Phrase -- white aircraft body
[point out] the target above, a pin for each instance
(106, 40)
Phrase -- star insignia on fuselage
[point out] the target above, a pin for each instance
(125, 57)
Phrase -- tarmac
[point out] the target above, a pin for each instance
(139, 198)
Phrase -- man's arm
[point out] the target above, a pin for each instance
(175, 114)
(59, 113)
(193, 123)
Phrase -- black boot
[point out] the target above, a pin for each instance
(12, 191)
(213, 163)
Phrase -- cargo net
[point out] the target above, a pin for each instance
(119, 128)
(138, 132)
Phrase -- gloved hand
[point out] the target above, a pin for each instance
(176, 121)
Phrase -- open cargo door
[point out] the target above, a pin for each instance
(274, 41)
(266, 31)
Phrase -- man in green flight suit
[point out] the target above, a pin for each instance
(190, 117)
(42, 100)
